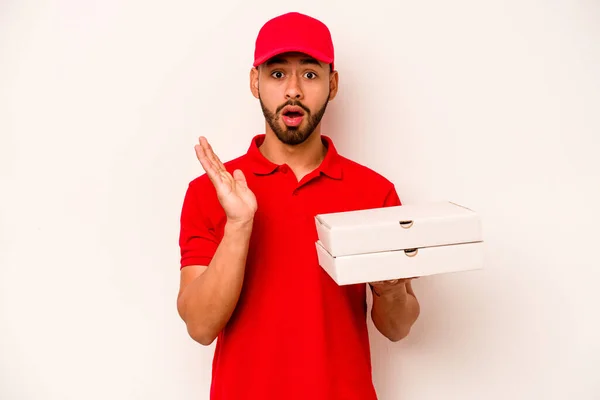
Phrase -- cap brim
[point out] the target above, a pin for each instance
(299, 49)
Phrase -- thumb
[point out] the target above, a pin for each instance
(239, 177)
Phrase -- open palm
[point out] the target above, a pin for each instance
(237, 200)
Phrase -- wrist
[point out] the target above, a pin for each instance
(239, 226)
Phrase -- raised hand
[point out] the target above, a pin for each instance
(237, 200)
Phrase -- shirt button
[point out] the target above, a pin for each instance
(284, 169)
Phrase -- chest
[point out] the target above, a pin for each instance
(284, 224)
(281, 198)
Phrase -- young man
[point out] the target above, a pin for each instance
(250, 277)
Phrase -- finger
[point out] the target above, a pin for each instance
(211, 154)
(201, 154)
(201, 148)
(217, 159)
(206, 150)
(207, 165)
(224, 176)
(220, 169)
(240, 178)
(218, 166)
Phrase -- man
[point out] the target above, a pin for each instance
(250, 277)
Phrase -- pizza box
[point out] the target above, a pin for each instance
(399, 242)
(397, 228)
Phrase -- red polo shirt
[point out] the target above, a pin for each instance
(295, 334)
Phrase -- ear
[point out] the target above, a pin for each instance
(254, 81)
(333, 84)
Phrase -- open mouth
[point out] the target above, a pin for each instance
(292, 116)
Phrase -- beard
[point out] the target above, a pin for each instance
(293, 135)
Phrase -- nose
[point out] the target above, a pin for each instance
(293, 90)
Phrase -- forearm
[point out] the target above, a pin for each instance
(209, 300)
(393, 315)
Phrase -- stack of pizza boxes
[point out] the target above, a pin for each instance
(399, 242)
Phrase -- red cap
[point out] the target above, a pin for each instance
(294, 32)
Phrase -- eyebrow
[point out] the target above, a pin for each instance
(304, 61)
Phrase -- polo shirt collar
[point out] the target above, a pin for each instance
(260, 165)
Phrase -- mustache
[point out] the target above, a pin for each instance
(292, 103)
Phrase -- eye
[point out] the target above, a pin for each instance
(277, 74)
(310, 75)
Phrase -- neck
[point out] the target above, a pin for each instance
(301, 158)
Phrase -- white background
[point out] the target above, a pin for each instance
(495, 105)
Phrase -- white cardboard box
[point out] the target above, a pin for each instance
(400, 227)
(399, 242)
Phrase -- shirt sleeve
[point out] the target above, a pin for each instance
(392, 199)
(198, 240)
